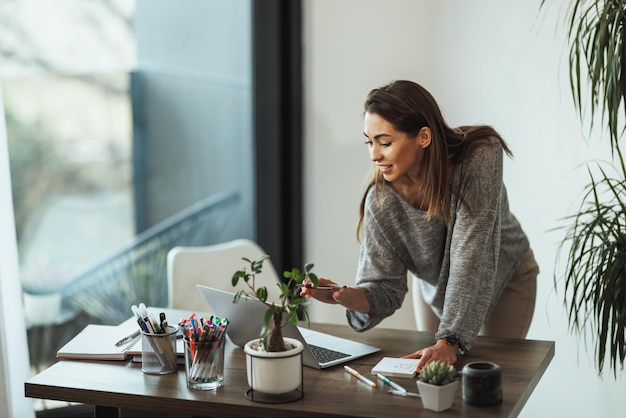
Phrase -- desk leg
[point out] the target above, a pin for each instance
(105, 412)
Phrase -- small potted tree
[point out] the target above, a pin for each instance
(437, 385)
(274, 362)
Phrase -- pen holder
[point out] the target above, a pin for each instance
(204, 364)
(158, 352)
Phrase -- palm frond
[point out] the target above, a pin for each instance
(595, 272)
(596, 34)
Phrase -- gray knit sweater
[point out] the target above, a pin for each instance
(463, 268)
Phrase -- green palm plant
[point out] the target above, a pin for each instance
(595, 272)
(597, 31)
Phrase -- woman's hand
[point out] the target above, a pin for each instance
(440, 351)
(352, 298)
(325, 294)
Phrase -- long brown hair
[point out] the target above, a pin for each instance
(409, 107)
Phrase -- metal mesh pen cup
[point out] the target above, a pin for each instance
(158, 352)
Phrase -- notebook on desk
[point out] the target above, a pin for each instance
(245, 318)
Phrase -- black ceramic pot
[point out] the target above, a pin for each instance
(482, 383)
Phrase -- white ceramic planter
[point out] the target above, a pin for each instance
(437, 398)
(274, 373)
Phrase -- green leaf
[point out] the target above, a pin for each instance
(261, 293)
(268, 317)
(284, 290)
(237, 296)
(257, 265)
(236, 277)
(293, 316)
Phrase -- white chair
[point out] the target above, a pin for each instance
(213, 266)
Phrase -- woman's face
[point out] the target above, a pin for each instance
(397, 155)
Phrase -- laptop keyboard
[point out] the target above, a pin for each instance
(324, 355)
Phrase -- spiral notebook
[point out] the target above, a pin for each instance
(97, 342)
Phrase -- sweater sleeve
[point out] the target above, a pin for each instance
(475, 246)
(381, 273)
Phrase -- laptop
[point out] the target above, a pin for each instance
(245, 318)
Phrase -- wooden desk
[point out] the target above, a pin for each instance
(330, 392)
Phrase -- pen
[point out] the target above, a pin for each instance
(135, 310)
(143, 313)
(142, 325)
(405, 393)
(324, 287)
(390, 382)
(127, 338)
(359, 376)
(163, 323)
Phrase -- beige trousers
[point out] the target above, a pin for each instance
(510, 317)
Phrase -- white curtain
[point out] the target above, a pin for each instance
(14, 361)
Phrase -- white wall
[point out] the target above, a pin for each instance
(499, 62)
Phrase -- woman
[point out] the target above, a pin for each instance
(436, 206)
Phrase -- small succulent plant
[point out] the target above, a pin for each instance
(437, 373)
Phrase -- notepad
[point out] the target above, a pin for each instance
(96, 342)
(396, 367)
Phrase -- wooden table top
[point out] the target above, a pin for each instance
(328, 392)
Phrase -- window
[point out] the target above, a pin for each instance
(127, 129)
(137, 125)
